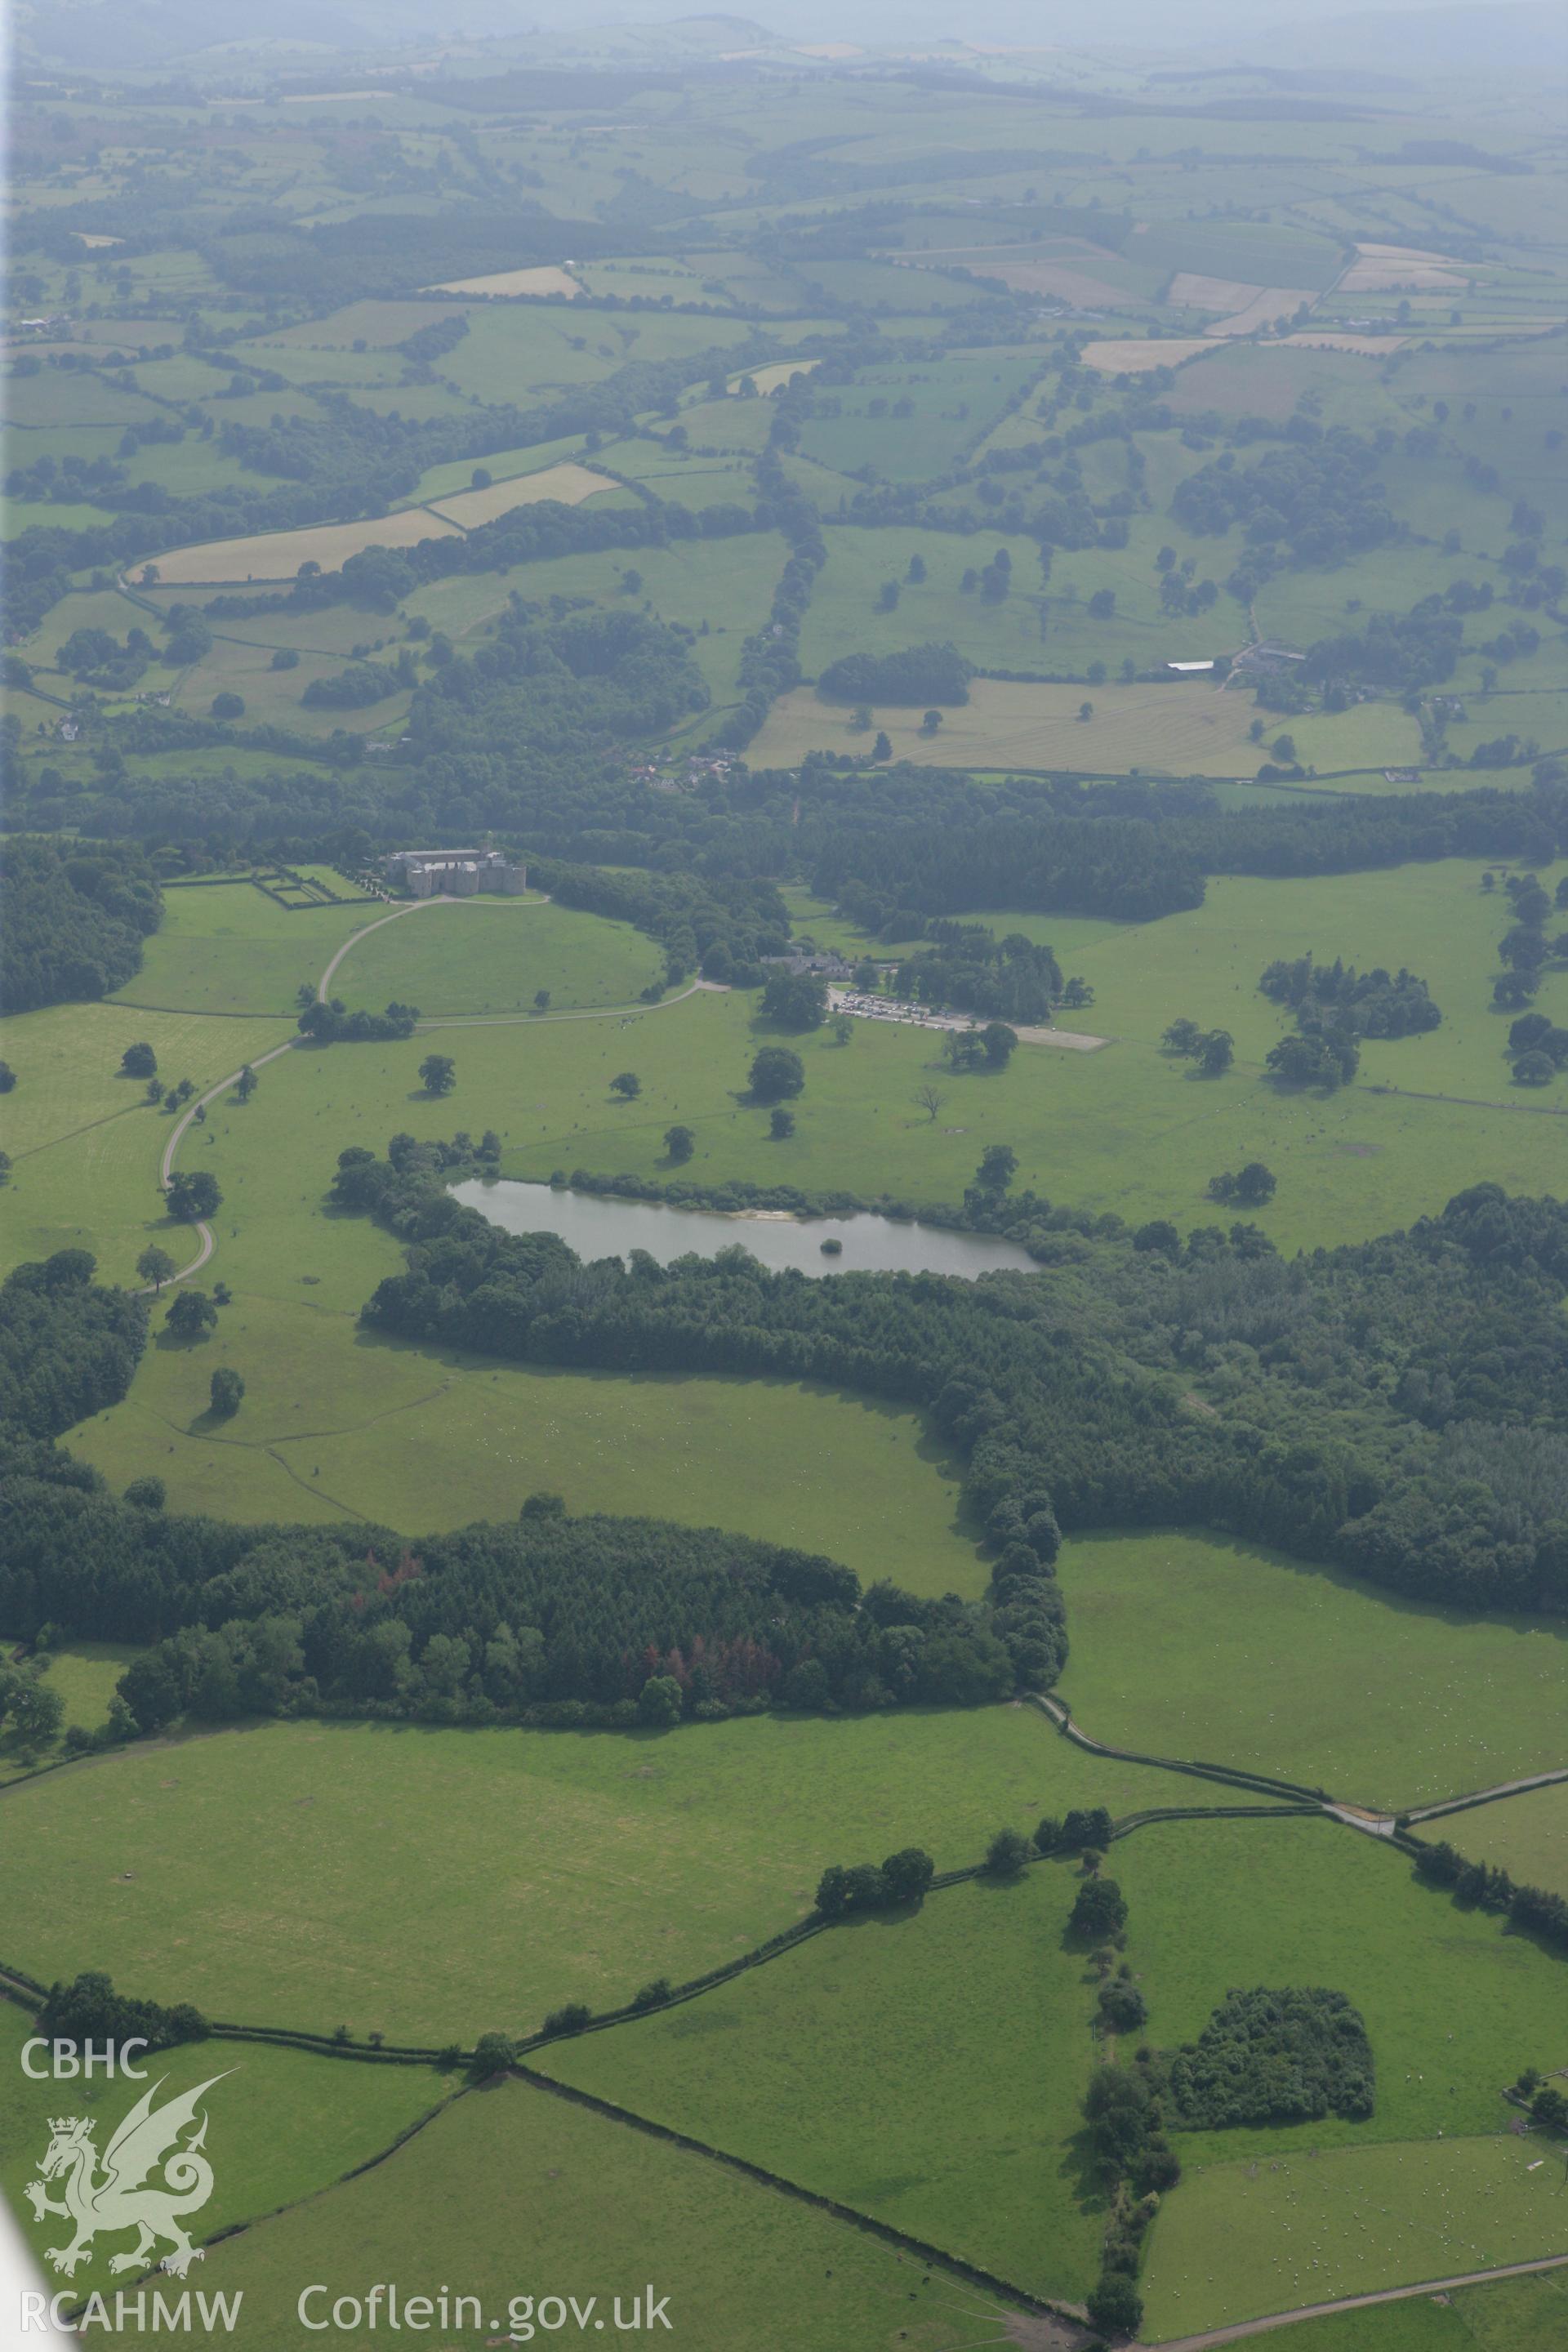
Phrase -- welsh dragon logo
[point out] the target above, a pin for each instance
(116, 2198)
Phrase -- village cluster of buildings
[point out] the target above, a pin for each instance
(455, 873)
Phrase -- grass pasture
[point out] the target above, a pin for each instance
(516, 2193)
(1454, 2005)
(1526, 1835)
(1195, 1645)
(84, 1674)
(1237, 2240)
(1520, 2314)
(485, 956)
(84, 1142)
(968, 2021)
(340, 1425)
(281, 2125)
(1138, 730)
(580, 1864)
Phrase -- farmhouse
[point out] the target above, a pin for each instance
(459, 873)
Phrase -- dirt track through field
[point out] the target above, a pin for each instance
(1244, 2327)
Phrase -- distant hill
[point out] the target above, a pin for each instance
(1510, 37)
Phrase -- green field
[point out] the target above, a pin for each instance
(84, 1674)
(339, 1425)
(485, 957)
(84, 1143)
(1522, 2315)
(967, 2024)
(1190, 1645)
(1450, 2000)
(282, 2125)
(229, 948)
(514, 2194)
(1527, 1835)
(1236, 2241)
(1358, 1162)
(1129, 730)
(579, 1864)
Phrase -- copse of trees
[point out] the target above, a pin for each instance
(796, 1000)
(333, 1025)
(966, 965)
(903, 1877)
(90, 2010)
(1244, 1187)
(1370, 1003)
(1315, 501)
(1274, 2056)
(921, 673)
(554, 1620)
(68, 1347)
(73, 915)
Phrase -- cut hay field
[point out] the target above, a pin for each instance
(339, 1425)
(279, 2125)
(532, 1867)
(443, 481)
(1235, 2240)
(1526, 1835)
(514, 2193)
(1454, 2005)
(1192, 1645)
(276, 556)
(568, 485)
(547, 280)
(1148, 730)
(485, 956)
(965, 2026)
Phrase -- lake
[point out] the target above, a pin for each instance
(599, 1225)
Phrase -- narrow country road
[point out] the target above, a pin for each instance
(1485, 1796)
(1244, 2327)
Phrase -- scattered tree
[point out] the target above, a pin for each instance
(192, 1194)
(777, 1075)
(930, 1100)
(780, 1125)
(226, 1391)
(139, 1062)
(659, 1702)
(191, 1315)
(627, 1084)
(1007, 1852)
(679, 1143)
(1246, 1188)
(155, 1266)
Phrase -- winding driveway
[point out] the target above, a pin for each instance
(451, 1021)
